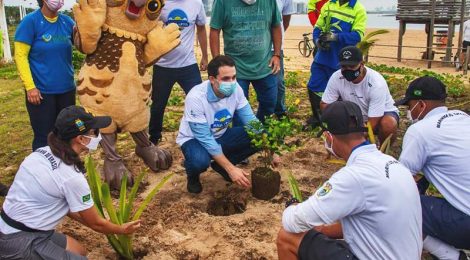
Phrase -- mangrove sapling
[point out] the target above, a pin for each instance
(100, 193)
(269, 137)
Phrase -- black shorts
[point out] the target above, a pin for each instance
(465, 44)
(316, 245)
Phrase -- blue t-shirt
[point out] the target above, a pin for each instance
(50, 57)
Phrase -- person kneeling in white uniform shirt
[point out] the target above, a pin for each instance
(438, 145)
(49, 185)
(367, 88)
(373, 202)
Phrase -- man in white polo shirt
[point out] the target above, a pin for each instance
(367, 88)
(204, 133)
(438, 145)
(372, 202)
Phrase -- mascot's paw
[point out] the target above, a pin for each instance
(155, 158)
(160, 41)
(114, 171)
(90, 16)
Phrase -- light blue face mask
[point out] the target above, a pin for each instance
(227, 88)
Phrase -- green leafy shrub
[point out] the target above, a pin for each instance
(77, 59)
(122, 244)
(270, 136)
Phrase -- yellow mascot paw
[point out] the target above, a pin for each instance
(160, 41)
(90, 16)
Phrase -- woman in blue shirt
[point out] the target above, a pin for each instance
(43, 54)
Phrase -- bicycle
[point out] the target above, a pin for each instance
(306, 46)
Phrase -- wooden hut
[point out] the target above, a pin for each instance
(434, 14)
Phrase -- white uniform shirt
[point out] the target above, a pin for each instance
(218, 115)
(371, 94)
(186, 14)
(45, 189)
(466, 31)
(377, 202)
(286, 7)
(439, 146)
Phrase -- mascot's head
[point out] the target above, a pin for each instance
(137, 16)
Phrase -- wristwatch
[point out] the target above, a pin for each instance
(291, 201)
(278, 55)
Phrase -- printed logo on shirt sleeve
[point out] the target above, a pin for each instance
(86, 198)
(324, 190)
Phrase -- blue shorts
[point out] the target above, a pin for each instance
(319, 76)
(444, 222)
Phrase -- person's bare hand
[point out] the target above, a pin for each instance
(130, 227)
(275, 64)
(203, 64)
(34, 96)
(240, 177)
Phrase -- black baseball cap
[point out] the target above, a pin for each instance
(424, 88)
(350, 56)
(342, 117)
(73, 121)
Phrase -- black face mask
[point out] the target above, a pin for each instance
(351, 75)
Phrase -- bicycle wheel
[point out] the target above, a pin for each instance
(304, 49)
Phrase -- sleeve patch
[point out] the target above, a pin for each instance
(86, 198)
(324, 190)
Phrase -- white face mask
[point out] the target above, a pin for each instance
(330, 148)
(94, 142)
(249, 2)
(408, 114)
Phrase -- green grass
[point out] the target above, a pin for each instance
(15, 130)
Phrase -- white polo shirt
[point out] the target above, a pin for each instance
(205, 108)
(377, 202)
(439, 146)
(45, 189)
(286, 7)
(371, 94)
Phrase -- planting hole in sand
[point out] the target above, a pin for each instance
(227, 204)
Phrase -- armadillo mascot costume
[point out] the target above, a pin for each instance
(121, 39)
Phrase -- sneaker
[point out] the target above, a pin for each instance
(194, 185)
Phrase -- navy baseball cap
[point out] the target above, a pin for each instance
(73, 121)
(424, 88)
(342, 117)
(350, 56)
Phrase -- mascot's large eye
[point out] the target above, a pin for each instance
(154, 6)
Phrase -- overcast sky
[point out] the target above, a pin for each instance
(369, 4)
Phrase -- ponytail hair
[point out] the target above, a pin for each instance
(63, 150)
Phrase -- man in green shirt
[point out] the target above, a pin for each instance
(250, 28)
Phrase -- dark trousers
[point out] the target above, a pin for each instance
(315, 100)
(43, 116)
(236, 146)
(162, 83)
(266, 94)
(442, 220)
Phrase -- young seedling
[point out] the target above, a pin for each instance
(294, 188)
(122, 244)
(269, 137)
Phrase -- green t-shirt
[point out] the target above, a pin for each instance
(247, 34)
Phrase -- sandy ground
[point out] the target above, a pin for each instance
(177, 226)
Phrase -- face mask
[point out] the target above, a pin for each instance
(330, 148)
(94, 142)
(54, 5)
(351, 75)
(249, 2)
(408, 114)
(227, 88)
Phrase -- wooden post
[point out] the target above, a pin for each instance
(4, 31)
(401, 32)
(431, 34)
(462, 20)
(450, 36)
